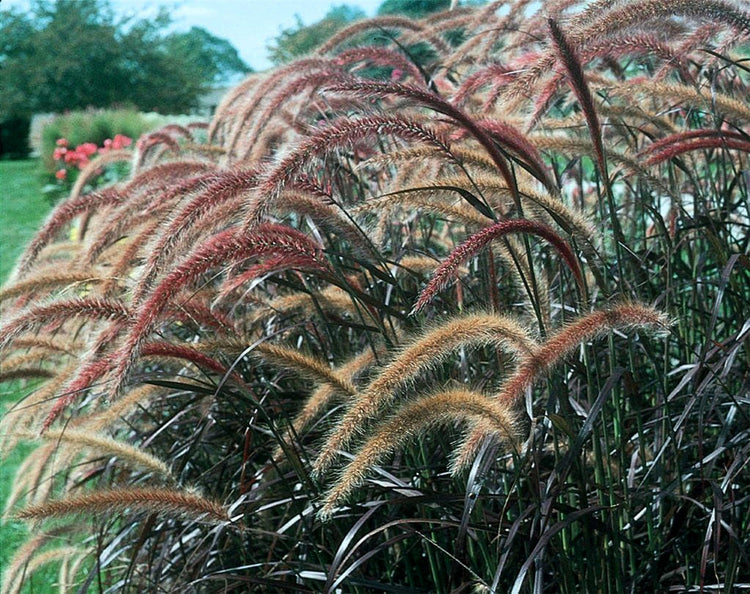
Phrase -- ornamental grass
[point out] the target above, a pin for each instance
(459, 304)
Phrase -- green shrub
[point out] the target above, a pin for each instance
(480, 324)
(91, 134)
(95, 126)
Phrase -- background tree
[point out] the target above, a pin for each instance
(413, 8)
(73, 54)
(213, 59)
(302, 39)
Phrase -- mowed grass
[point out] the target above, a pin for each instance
(22, 209)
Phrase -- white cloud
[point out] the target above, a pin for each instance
(191, 12)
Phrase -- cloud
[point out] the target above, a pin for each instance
(192, 12)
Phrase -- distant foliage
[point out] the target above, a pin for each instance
(413, 8)
(74, 54)
(472, 318)
(94, 126)
(74, 164)
(70, 141)
(300, 40)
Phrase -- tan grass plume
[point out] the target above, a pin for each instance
(558, 346)
(421, 354)
(412, 420)
(149, 499)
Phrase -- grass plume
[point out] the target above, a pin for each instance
(557, 347)
(422, 353)
(154, 500)
(412, 420)
(445, 273)
(95, 308)
(107, 445)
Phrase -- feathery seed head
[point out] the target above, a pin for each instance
(412, 420)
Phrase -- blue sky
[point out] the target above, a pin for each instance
(248, 24)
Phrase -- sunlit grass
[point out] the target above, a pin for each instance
(22, 209)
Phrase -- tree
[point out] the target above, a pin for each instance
(73, 54)
(413, 8)
(213, 58)
(301, 39)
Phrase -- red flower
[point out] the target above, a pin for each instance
(120, 141)
(61, 174)
(87, 149)
(59, 152)
(61, 142)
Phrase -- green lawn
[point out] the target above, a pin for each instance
(22, 209)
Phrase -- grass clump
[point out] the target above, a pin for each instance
(480, 322)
